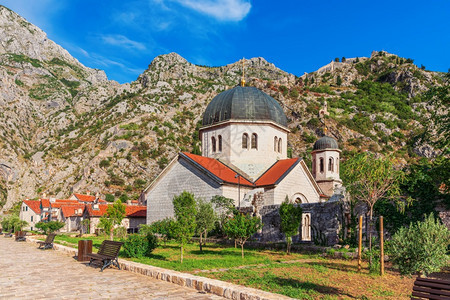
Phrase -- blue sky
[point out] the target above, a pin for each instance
(122, 37)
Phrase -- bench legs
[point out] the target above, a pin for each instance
(107, 263)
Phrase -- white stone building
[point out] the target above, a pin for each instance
(244, 151)
(30, 212)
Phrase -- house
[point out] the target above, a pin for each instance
(30, 211)
(72, 216)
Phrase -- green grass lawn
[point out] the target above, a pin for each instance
(300, 276)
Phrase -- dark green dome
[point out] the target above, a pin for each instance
(325, 142)
(243, 103)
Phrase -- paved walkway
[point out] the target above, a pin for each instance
(29, 273)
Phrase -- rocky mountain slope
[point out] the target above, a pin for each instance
(65, 127)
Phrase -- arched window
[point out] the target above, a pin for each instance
(220, 143)
(279, 145)
(321, 165)
(331, 164)
(245, 141)
(213, 143)
(275, 144)
(306, 227)
(254, 141)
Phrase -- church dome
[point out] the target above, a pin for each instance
(325, 142)
(243, 103)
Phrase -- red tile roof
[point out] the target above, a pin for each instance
(136, 211)
(218, 169)
(277, 172)
(35, 205)
(85, 198)
(272, 176)
(45, 202)
(60, 202)
(70, 210)
(96, 212)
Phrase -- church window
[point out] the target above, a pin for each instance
(220, 143)
(213, 143)
(254, 141)
(306, 227)
(279, 145)
(331, 164)
(275, 144)
(245, 141)
(321, 165)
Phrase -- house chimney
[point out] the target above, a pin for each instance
(52, 200)
(95, 206)
(88, 192)
(128, 202)
(44, 195)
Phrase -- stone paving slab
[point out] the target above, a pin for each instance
(29, 273)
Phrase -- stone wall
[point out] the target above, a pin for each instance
(326, 222)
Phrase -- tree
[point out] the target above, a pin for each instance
(369, 178)
(291, 217)
(49, 227)
(336, 59)
(421, 248)
(205, 219)
(338, 80)
(225, 207)
(184, 225)
(114, 216)
(13, 223)
(109, 197)
(343, 59)
(241, 227)
(162, 227)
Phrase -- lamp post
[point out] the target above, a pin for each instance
(239, 189)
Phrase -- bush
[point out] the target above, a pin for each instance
(137, 245)
(120, 232)
(421, 248)
(109, 197)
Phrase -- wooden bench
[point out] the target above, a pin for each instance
(428, 288)
(107, 254)
(9, 234)
(48, 243)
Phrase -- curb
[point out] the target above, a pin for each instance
(202, 284)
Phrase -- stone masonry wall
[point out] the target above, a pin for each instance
(325, 223)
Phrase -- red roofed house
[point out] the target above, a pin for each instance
(30, 211)
(244, 152)
(72, 216)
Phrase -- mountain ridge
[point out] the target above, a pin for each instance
(65, 127)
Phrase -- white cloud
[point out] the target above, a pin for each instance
(122, 41)
(224, 10)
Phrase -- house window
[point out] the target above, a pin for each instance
(254, 141)
(31, 218)
(213, 143)
(220, 143)
(321, 165)
(279, 145)
(331, 164)
(275, 144)
(245, 141)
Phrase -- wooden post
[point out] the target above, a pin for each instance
(381, 247)
(360, 242)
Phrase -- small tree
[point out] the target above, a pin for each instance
(241, 227)
(369, 178)
(49, 227)
(164, 228)
(336, 59)
(114, 216)
(205, 219)
(339, 80)
(291, 217)
(225, 207)
(184, 225)
(421, 248)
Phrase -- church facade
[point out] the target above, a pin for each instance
(244, 153)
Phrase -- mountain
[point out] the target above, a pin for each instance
(65, 127)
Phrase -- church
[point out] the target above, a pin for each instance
(244, 153)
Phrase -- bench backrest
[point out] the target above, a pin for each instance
(50, 238)
(429, 288)
(110, 248)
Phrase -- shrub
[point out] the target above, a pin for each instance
(120, 232)
(49, 227)
(421, 248)
(109, 197)
(137, 245)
